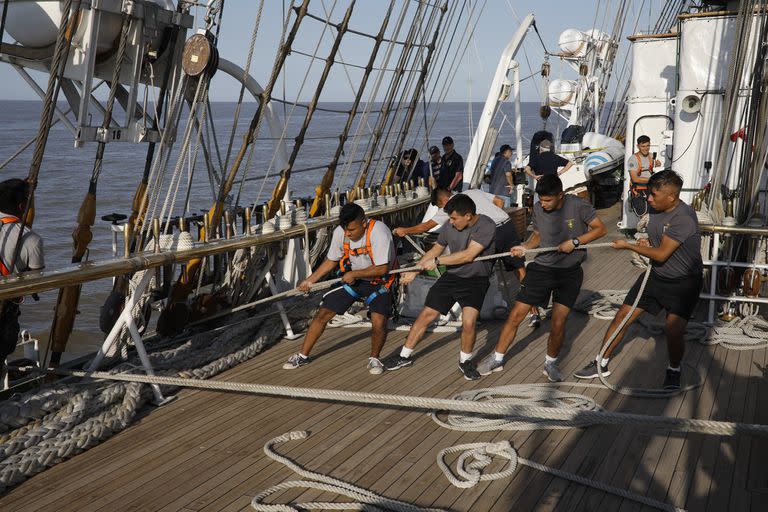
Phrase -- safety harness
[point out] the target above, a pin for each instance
(345, 265)
(5, 271)
(636, 186)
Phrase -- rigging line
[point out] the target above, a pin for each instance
(386, 125)
(453, 69)
(374, 93)
(536, 29)
(408, 90)
(293, 107)
(282, 41)
(212, 134)
(3, 17)
(246, 74)
(304, 105)
(350, 65)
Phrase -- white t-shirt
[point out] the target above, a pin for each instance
(483, 206)
(31, 255)
(381, 244)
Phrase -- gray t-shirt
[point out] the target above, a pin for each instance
(31, 255)
(483, 233)
(682, 226)
(499, 169)
(567, 223)
(382, 246)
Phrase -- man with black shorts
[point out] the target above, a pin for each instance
(565, 222)
(468, 236)
(674, 248)
(362, 249)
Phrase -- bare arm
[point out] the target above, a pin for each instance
(423, 263)
(459, 258)
(325, 267)
(456, 179)
(529, 171)
(659, 254)
(532, 243)
(565, 169)
(415, 230)
(498, 201)
(636, 178)
(596, 230)
(366, 273)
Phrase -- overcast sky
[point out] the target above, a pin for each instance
(498, 22)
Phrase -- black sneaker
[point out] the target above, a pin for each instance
(672, 380)
(469, 369)
(396, 361)
(590, 371)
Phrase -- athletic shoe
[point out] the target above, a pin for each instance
(374, 366)
(590, 371)
(490, 365)
(552, 372)
(295, 361)
(469, 369)
(672, 380)
(396, 361)
(534, 321)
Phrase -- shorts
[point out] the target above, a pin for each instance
(469, 292)
(540, 282)
(339, 299)
(677, 296)
(9, 328)
(506, 237)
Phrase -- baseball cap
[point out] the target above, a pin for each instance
(505, 147)
(433, 150)
(447, 140)
(546, 144)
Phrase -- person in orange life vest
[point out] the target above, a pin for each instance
(13, 201)
(641, 164)
(363, 250)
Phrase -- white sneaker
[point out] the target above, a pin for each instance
(374, 366)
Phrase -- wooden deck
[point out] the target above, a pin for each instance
(203, 452)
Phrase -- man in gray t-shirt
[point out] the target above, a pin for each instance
(468, 236)
(13, 201)
(674, 284)
(562, 221)
(501, 174)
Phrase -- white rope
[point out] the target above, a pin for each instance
(475, 457)
(364, 499)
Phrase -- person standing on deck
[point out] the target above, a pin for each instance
(640, 166)
(468, 236)
(546, 162)
(435, 164)
(674, 248)
(452, 168)
(502, 184)
(363, 250)
(13, 201)
(565, 222)
(486, 204)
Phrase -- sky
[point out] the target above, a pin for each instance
(498, 20)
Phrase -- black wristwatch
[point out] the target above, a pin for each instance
(575, 242)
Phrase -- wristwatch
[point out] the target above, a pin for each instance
(575, 242)
(437, 262)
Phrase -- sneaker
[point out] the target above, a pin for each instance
(295, 361)
(469, 369)
(552, 372)
(489, 365)
(374, 366)
(534, 321)
(672, 380)
(590, 371)
(396, 361)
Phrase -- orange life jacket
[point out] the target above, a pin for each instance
(636, 186)
(345, 264)
(5, 271)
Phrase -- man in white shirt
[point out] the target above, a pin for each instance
(362, 250)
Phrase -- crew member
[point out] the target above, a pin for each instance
(468, 236)
(640, 166)
(362, 249)
(674, 248)
(565, 222)
(452, 168)
(13, 201)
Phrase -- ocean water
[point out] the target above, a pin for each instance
(65, 172)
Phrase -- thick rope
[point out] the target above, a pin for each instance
(364, 499)
(475, 457)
